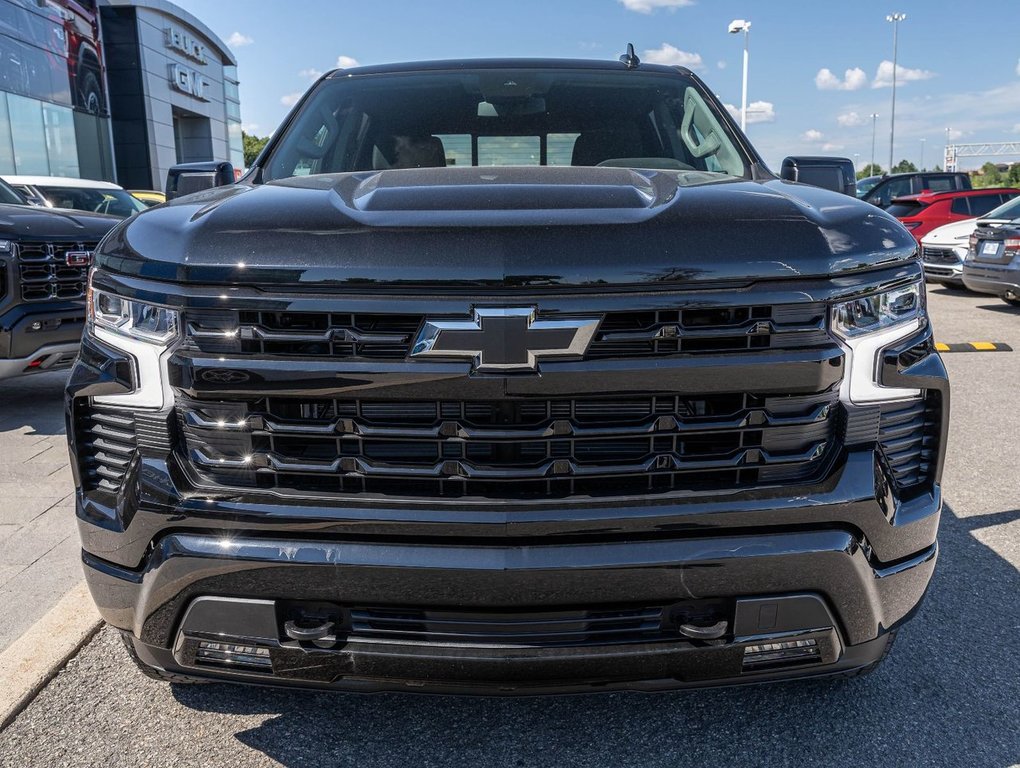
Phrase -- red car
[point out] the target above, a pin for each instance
(924, 212)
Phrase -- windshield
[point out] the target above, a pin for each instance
(115, 202)
(507, 117)
(1007, 212)
(8, 196)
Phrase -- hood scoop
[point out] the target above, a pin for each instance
(436, 197)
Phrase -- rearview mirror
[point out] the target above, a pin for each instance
(835, 173)
(186, 178)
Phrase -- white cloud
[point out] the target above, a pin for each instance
(311, 73)
(812, 135)
(721, 64)
(672, 56)
(757, 112)
(250, 127)
(830, 147)
(850, 120)
(346, 62)
(853, 80)
(647, 6)
(291, 99)
(883, 77)
(955, 134)
(239, 40)
(1018, 66)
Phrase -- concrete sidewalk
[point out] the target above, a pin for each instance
(39, 551)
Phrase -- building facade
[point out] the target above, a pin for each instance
(118, 90)
(54, 114)
(173, 91)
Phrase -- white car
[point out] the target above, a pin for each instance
(943, 251)
(77, 194)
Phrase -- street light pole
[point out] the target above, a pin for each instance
(895, 19)
(737, 26)
(922, 153)
(874, 125)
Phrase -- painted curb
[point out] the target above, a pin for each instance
(35, 658)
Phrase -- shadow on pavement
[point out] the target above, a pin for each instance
(947, 695)
(1000, 307)
(35, 402)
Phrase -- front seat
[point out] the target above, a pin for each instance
(419, 152)
(595, 146)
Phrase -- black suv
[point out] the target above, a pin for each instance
(508, 377)
(45, 255)
(891, 186)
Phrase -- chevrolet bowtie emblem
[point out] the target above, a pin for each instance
(505, 340)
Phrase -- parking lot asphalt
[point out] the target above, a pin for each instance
(948, 695)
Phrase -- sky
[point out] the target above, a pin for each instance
(818, 68)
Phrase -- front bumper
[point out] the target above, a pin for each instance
(39, 338)
(815, 586)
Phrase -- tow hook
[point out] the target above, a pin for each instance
(697, 632)
(318, 632)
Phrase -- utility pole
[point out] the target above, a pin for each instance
(874, 125)
(736, 27)
(922, 153)
(894, 19)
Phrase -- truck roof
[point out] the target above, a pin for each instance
(469, 64)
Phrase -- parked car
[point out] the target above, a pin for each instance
(943, 251)
(891, 186)
(45, 256)
(993, 259)
(923, 213)
(77, 194)
(148, 196)
(866, 184)
(511, 376)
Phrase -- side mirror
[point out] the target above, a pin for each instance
(186, 178)
(835, 173)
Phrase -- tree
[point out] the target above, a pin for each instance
(252, 146)
(937, 167)
(1013, 175)
(904, 166)
(869, 170)
(988, 176)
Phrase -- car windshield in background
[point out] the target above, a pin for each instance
(1006, 212)
(503, 117)
(8, 196)
(115, 202)
(865, 185)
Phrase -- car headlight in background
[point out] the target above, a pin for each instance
(133, 319)
(145, 332)
(866, 326)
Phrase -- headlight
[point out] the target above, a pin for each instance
(878, 312)
(867, 326)
(133, 319)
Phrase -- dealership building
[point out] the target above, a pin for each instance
(119, 90)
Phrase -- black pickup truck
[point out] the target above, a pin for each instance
(45, 255)
(509, 377)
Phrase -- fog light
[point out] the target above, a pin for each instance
(783, 652)
(234, 655)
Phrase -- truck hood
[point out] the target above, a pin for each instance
(27, 221)
(493, 228)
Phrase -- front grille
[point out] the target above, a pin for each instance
(621, 334)
(45, 274)
(106, 444)
(518, 628)
(909, 436)
(931, 255)
(514, 448)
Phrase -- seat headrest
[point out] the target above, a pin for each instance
(592, 147)
(419, 152)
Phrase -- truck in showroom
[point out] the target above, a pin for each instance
(507, 377)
